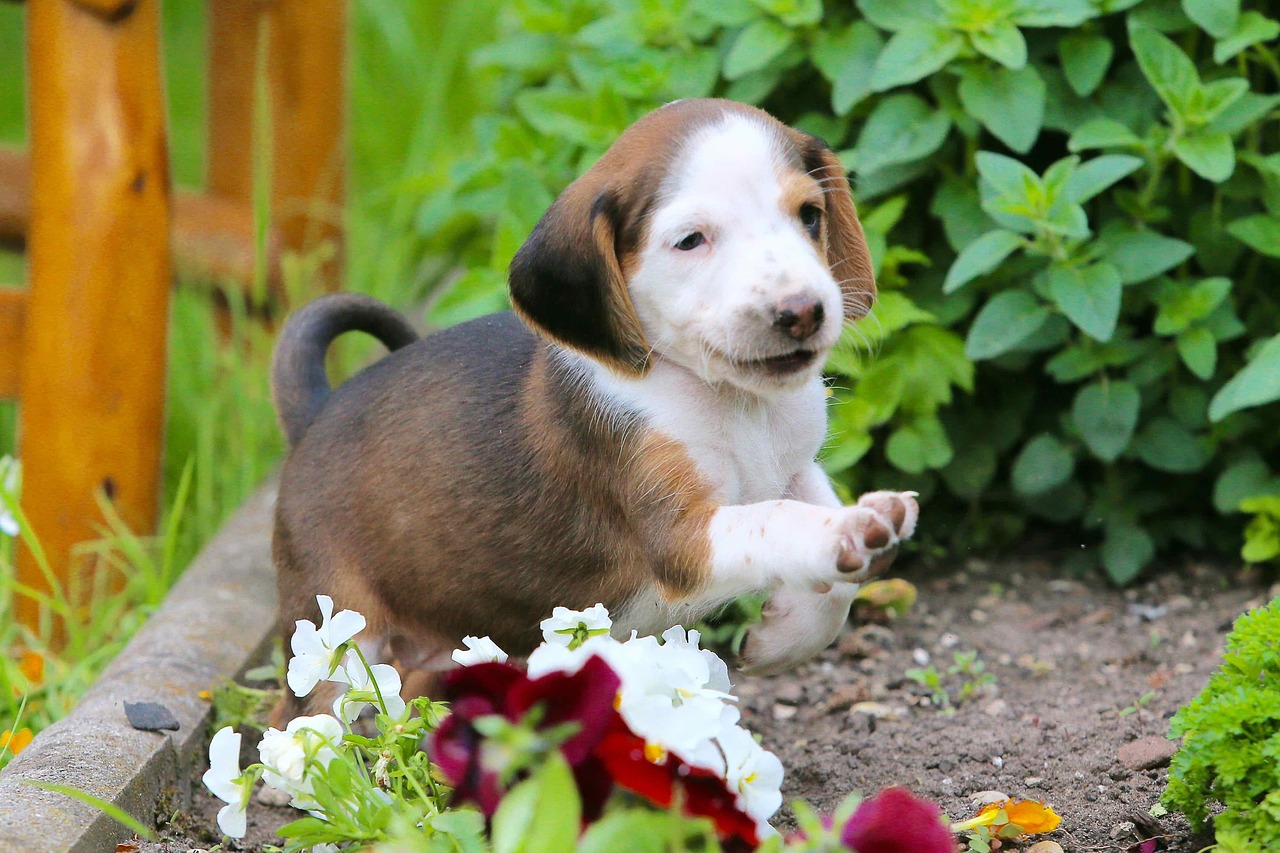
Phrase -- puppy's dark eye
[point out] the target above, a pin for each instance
(691, 242)
(811, 218)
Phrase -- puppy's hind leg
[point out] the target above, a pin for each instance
(796, 626)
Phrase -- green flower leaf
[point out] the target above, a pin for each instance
(915, 52)
(1210, 155)
(1256, 385)
(1251, 28)
(1126, 550)
(919, 446)
(1170, 72)
(901, 129)
(895, 15)
(1142, 255)
(1259, 232)
(1244, 479)
(1044, 463)
(793, 13)
(1008, 319)
(1106, 414)
(756, 46)
(1218, 18)
(1102, 133)
(1009, 103)
(1198, 351)
(1089, 296)
(1085, 59)
(1003, 42)
(1054, 13)
(1091, 178)
(1242, 113)
(980, 257)
(542, 814)
(1181, 305)
(1167, 445)
(847, 60)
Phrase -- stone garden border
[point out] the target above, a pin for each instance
(215, 623)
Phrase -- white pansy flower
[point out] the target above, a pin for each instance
(287, 755)
(478, 650)
(315, 649)
(566, 626)
(223, 779)
(10, 472)
(364, 684)
(753, 773)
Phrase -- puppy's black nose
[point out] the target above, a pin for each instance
(799, 316)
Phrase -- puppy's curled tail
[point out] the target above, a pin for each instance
(299, 382)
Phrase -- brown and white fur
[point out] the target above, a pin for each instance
(642, 431)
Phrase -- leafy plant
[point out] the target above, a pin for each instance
(1073, 207)
(963, 680)
(1230, 751)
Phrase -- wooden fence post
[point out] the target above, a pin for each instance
(93, 367)
(306, 72)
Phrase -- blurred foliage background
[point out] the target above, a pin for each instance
(1074, 207)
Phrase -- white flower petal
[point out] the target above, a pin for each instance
(224, 766)
(231, 820)
(343, 627)
(478, 650)
(595, 618)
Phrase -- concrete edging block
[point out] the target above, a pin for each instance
(216, 622)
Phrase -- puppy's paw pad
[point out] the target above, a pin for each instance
(864, 535)
(899, 511)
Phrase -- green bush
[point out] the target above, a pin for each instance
(1071, 203)
(1230, 734)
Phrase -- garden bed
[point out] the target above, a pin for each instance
(1082, 673)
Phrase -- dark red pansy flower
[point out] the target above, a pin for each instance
(897, 821)
(701, 792)
(585, 697)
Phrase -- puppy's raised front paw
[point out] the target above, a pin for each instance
(870, 531)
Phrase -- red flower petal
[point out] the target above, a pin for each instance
(896, 821)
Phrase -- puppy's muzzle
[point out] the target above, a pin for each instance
(799, 316)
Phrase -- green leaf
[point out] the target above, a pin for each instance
(1167, 445)
(1008, 319)
(1006, 175)
(1209, 155)
(793, 13)
(902, 128)
(1091, 178)
(1089, 296)
(1259, 232)
(971, 471)
(1009, 103)
(756, 46)
(1003, 42)
(1126, 550)
(980, 257)
(1244, 112)
(1181, 305)
(847, 61)
(634, 830)
(1252, 28)
(1085, 59)
(1054, 13)
(1244, 479)
(111, 810)
(1218, 18)
(1044, 463)
(897, 15)
(1199, 351)
(1142, 255)
(915, 52)
(919, 446)
(1213, 98)
(1170, 72)
(730, 13)
(1257, 384)
(1106, 414)
(1102, 133)
(542, 814)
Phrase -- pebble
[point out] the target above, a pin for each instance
(784, 712)
(1045, 847)
(846, 695)
(1032, 781)
(996, 708)
(790, 693)
(920, 656)
(1123, 829)
(269, 796)
(1147, 753)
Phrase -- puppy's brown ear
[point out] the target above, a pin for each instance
(846, 245)
(567, 281)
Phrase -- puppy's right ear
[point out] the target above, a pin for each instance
(567, 282)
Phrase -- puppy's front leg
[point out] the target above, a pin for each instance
(799, 623)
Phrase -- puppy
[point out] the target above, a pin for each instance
(641, 431)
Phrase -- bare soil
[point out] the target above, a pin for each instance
(1078, 671)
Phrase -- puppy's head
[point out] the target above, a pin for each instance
(709, 234)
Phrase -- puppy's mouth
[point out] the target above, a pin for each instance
(778, 365)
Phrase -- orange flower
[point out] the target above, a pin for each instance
(1033, 817)
(32, 666)
(15, 742)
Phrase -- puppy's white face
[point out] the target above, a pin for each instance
(730, 279)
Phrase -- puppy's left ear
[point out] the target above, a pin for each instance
(847, 253)
(567, 282)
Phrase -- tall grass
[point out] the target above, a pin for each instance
(412, 98)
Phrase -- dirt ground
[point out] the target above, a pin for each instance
(1079, 674)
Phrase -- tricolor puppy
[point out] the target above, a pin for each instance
(640, 432)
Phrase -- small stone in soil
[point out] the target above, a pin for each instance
(150, 716)
(1146, 753)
